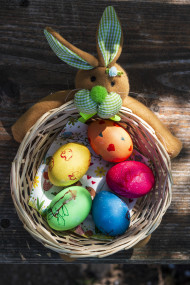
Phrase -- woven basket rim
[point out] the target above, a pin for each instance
(34, 230)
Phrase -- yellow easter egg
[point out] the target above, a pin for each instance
(68, 164)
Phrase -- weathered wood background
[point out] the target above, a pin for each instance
(156, 55)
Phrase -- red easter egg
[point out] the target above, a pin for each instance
(110, 140)
(131, 179)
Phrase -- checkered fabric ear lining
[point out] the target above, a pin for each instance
(107, 109)
(109, 35)
(65, 54)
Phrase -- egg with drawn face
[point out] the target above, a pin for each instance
(68, 164)
(110, 140)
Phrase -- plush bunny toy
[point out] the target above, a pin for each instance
(102, 85)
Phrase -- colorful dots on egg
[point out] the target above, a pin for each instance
(110, 140)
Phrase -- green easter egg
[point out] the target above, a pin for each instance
(69, 208)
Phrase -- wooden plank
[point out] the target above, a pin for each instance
(156, 57)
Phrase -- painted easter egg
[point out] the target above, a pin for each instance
(110, 140)
(110, 214)
(131, 179)
(68, 164)
(69, 208)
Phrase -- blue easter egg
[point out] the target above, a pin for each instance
(110, 214)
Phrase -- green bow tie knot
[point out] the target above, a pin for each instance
(98, 94)
(109, 107)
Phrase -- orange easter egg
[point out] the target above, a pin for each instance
(110, 140)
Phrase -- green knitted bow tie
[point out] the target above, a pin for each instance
(107, 109)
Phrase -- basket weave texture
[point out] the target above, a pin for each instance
(146, 215)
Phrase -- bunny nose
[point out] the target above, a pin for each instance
(98, 94)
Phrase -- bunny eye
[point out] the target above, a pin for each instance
(112, 83)
(93, 78)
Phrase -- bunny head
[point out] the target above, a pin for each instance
(102, 83)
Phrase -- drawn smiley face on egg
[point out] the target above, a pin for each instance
(110, 140)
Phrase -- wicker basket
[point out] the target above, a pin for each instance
(147, 213)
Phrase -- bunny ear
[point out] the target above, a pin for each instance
(109, 38)
(69, 53)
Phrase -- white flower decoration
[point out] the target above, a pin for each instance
(113, 71)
